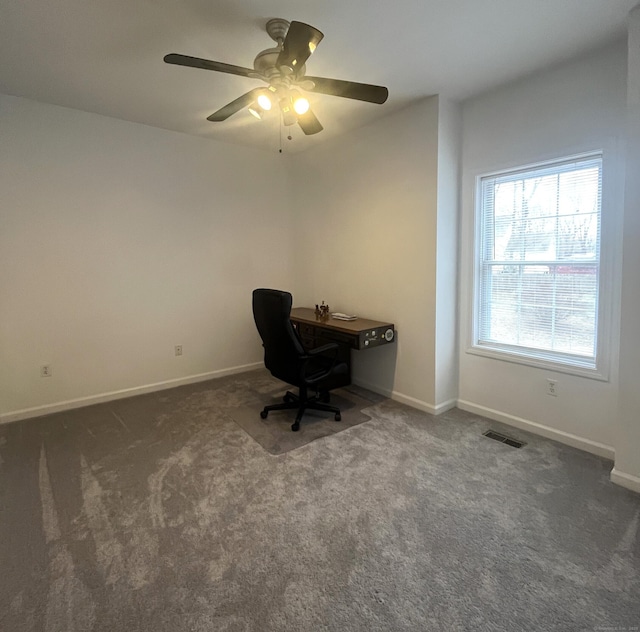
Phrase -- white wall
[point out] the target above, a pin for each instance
(366, 208)
(627, 467)
(119, 241)
(576, 107)
(449, 150)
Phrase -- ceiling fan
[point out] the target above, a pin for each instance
(283, 69)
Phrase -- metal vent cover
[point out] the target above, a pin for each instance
(497, 436)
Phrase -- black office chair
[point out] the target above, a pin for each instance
(287, 359)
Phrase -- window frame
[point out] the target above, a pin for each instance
(550, 360)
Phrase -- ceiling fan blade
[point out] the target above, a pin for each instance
(235, 106)
(205, 64)
(309, 123)
(300, 42)
(349, 89)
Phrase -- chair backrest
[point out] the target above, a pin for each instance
(283, 350)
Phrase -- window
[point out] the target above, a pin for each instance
(538, 263)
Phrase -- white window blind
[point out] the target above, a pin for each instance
(538, 263)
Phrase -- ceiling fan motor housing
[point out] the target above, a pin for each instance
(265, 64)
(277, 29)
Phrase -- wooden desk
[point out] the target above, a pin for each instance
(362, 333)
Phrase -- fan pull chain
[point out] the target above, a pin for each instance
(289, 137)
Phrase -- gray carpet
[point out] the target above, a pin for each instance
(160, 513)
(274, 433)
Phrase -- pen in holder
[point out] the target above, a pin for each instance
(322, 311)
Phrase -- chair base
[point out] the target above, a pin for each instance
(303, 402)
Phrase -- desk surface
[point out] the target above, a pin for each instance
(308, 315)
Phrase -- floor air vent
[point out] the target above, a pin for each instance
(514, 443)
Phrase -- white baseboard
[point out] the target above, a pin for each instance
(47, 409)
(424, 406)
(407, 399)
(567, 438)
(625, 480)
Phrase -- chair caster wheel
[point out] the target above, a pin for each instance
(287, 398)
(263, 414)
(295, 426)
(338, 417)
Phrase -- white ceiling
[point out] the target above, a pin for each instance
(105, 56)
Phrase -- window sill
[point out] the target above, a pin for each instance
(539, 363)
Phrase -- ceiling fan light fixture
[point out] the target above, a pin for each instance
(264, 102)
(300, 105)
(260, 106)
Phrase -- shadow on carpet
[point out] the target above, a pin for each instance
(274, 433)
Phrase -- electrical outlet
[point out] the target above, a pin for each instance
(46, 370)
(552, 387)
(178, 350)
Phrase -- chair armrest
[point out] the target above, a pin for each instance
(310, 353)
(323, 349)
